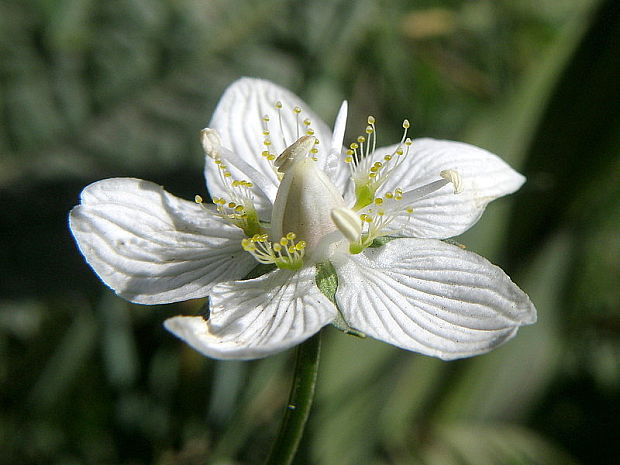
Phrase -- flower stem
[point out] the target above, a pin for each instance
(299, 403)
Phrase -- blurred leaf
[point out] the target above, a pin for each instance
(571, 145)
(117, 342)
(62, 369)
(471, 444)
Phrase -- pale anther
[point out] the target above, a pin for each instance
(454, 177)
(348, 223)
(211, 143)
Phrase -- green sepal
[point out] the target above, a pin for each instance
(327, 281)
(382, 240)
(453, 242)
(259, 270)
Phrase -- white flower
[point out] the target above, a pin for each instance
(286, 195)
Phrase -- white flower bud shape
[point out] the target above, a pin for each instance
(348, 223)
(211, 143)
(305, 197)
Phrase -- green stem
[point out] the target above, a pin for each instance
(299, 403)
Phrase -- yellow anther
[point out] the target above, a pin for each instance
(371, 119)
(283, 241)
(277, 247)
(406, 124)
(198, 199)
(300, 245)
(266, 118)
(380, 212)
(349, 152)
(387, 157)
(297, 110)
(239, 208)
(372, 175)
(291, 236)
(361, 139)
(399, 151)
(310, 132)
(354, 146)
(271, 157)
(232, 204)
(307, 122)
(388, 195)
(409, 210)
(266, 142)
(348, 159)
(378, 201)
(374, 169)
(369, 130)
(278, 105)
(408, 141)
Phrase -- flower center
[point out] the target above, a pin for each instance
(301, 209)
(306, 196)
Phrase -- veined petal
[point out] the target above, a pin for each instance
(238, 118)
(430, 297)
(151, 247)
(444, 214)
(258, 317)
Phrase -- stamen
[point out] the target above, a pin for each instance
(303, 127)
(377, 216)
(369, 175)
(454, 177)
(285, 253)
(278, 107)
(239, 208)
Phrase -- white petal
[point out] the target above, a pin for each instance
(151, 247)
(335, 167)
(444, 214)
(258, 317)
(238, 119)
(430, 297)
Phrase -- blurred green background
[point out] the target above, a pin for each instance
(93, 89)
